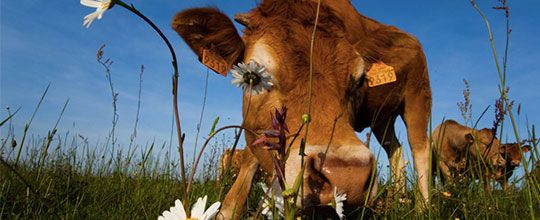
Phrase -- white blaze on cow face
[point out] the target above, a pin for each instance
(360, 67)
(263, 54)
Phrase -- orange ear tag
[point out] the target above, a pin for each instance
(380, 74)
(215, 62)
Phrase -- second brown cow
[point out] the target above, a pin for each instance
(460, 150)
(513, 156)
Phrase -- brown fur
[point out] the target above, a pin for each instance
(454, 143)
(409, 97)
(202, 28)
(289, 23)
(341, 103)
(536, 171)
(230, 162)
(512, 154)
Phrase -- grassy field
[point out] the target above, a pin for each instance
(73, 180)
(65, 176)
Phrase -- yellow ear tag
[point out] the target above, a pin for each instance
(380, 74)
(215, 62)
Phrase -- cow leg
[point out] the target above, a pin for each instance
(416, 117)
(235, 200)
(504, 184)
(446, 174)
(385, 134)
(487, 185)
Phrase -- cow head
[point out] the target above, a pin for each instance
(484, 144)
(277, 38)
(512, 154)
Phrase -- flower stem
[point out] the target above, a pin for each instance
(193, 169)
(504, 95)
(310, 88)
(174, 90)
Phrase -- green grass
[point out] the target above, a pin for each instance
(64, 177)
(77, 182)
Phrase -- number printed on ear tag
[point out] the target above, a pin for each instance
(215, 62)
(380, 74)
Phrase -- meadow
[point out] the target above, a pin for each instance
(64, 175)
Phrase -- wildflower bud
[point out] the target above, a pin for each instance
(447, 194)
(306, 118)
(13, 143)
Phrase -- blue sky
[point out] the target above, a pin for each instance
(44, 42)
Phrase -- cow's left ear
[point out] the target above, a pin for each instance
(502, 148)
(525, 148)
(208, 29)
(469, 138)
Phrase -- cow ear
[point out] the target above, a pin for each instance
(469, 138)
(502, 148)
(243, 19)
(208, 29)
(525, 148)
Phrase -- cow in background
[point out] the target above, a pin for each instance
(460, 150)
(231, 161)
(536, 171)
(512, 154)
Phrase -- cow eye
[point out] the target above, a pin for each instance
(252, 77)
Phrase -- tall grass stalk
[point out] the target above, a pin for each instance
(8, 118)
(107, 63)
(50, 137)
(203, 147)
(134, 133)
(27, 125)
(504, 95)
(174, 91)
(201, 115)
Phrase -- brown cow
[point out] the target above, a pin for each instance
(459, 149)
(536, 171)
(230, 161)
(512, 154)
(409, 97)
(277, 37)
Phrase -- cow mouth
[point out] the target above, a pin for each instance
(345, 175)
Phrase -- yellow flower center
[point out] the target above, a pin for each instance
(191, 219)
(108, 4)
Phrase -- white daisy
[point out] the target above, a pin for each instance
(100, 5)
(339, 198)
(273, 200)
(177, 212)
(252, 72)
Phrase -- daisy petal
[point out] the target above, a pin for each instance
(168, 215)
(180, 209)
(211, 211)
(198, 209)
(88, 19)
(339, 198)
(91, 3)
